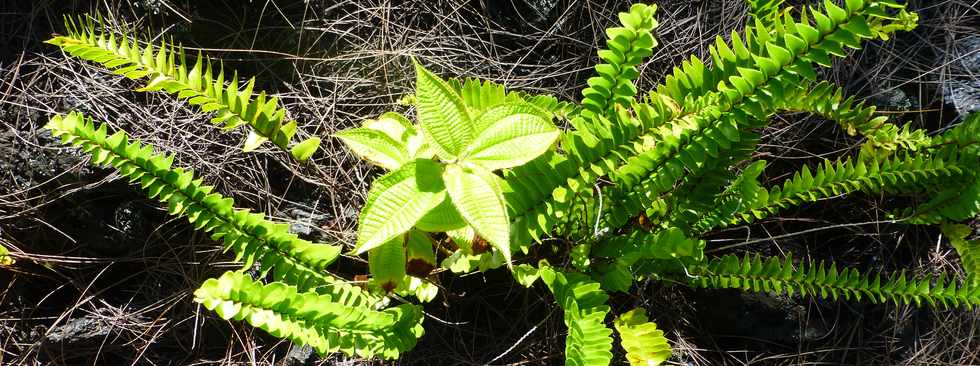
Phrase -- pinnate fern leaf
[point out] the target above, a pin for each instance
(589, 340)
(310, 318)
(645, 345)
(252, 238)
(969, 250)
(167, 69)
(779, 275)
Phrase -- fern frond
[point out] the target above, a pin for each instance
(901, 173)
(617, 255)
(589, 340)
(828, 101)
(764, 10)
(309, 318)
(645, 345)
(775, 275)
(696, 115)
(167, 68)
(249, 235)
(954, 202)
(627, 46)
(542, 193)
(738, 92)
(969, 250)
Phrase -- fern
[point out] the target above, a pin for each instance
(645, 345)
(588, 341)
(249, 235)
(828, 101)
(697, 114)
(167, 68)
(969, 250)
(632, 185)
(774, 275)
(897, 174)
(313, 319)
(766, 11)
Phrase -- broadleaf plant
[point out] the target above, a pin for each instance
(469, 145)
(632, 186)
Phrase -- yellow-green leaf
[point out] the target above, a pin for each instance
(375, 146)
(645, 345)
(387, 264)
(442, 114)
(514, 134)
(476, 194)
(397, 201)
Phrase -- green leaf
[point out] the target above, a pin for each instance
(443, 218)
(421, 258)
(253, 141)
(387, 264)
(375, 146)
(5, 258)
(397, 201)
(442, 114)
(645, 345)
(392, 124)
(525, 274)
(477, 195)
(517, 134)
(304, 150)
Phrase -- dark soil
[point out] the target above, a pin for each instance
(104, 276)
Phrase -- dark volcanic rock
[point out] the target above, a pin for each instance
(298, 356)
(83, 332)
(962, 89)
(27, 163)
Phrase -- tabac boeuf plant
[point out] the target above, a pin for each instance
(634, 184)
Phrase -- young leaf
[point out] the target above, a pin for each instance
(397, 201)
(442, 114)
(476, 194)
(517, 135)
(375, 146)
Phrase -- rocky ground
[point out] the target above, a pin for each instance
(104, 276)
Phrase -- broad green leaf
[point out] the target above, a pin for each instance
(387, 263)
(443, 218)
(397, 201)
(442, 114)
(517, 134)
(392, 124)
(304, 150)
(463, 238)
(375, 146)
(421, 258)
(476, 194)
(645, 345)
